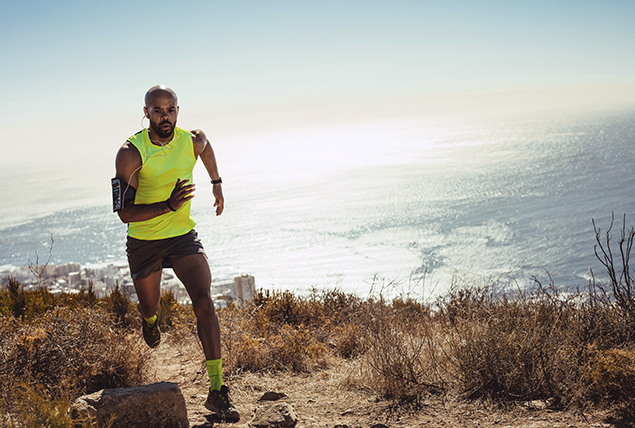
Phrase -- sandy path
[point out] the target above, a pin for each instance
(321, 400)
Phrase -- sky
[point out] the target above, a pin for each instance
(73, 73)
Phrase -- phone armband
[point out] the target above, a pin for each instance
(117, 197)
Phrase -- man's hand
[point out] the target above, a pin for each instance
(182, 193)
(219, 201)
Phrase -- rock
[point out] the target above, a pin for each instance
(159, 405)
(272, 396)
(536, 405)
(274, 415)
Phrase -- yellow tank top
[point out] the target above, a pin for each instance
(160, 167)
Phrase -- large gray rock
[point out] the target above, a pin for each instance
(274, 415)
(159, 405)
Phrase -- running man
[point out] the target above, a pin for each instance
(151, 193)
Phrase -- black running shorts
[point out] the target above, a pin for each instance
(146, 257)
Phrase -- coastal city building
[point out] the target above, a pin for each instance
(71, 278)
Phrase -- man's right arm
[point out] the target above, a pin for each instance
(127, 165)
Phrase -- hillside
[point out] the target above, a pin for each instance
(328, 398)
(481, 356)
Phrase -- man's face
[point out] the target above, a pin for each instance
(162, 112)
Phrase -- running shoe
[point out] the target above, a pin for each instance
(151, 334)
(220, 403)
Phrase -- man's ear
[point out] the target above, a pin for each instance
(145, 112)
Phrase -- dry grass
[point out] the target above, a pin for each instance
(490, 341)
(282, 331)
(59, 348)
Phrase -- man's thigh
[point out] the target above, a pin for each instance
(195, 274)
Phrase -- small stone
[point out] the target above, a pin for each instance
(274, 415)
(536, 405)
(159, 405)
(272, 396)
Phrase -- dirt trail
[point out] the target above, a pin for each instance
(320, 400)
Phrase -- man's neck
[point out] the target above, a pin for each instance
(157, 140)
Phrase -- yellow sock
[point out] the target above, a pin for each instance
(215, 372)
(151, 320)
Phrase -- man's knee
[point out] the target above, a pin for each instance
(147, 309)
(203, 304)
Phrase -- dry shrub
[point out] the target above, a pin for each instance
(511, 348)
(611, 376)
(347, 341)
(286, 331)
(253, 342)
(69, 352)
(175, 318)
(14, 298)
(285, 307)
(337, 305)
(121, 309)
(402, 358)
(320, 307)
(32, 304)
(36, 410)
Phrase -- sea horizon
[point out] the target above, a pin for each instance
(424, 201)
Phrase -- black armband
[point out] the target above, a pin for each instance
(122, 194)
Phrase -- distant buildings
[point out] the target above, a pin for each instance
(244, 289)
(71, 278)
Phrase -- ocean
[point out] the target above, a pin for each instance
(403, 203)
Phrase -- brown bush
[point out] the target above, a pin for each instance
(35, 409)
(120, 308)
(178, 319)
(482, 341)
(69, 352)
(510, 348)
(32, 304)
(284, 331)
(402, 358)
(253, 342)
(611, 375)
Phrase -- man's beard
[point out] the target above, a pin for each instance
(160, 132)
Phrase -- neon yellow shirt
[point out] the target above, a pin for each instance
(160, 168)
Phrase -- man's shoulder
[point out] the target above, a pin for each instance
(132, 144)
(198, 136)
(128, 152)
(138, 136)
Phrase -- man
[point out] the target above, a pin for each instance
(151, 193)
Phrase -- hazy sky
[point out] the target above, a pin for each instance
(74, 73)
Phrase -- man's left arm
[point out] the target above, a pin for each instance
(203, 149)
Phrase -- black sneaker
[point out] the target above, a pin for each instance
(220, 403)
(151, 335)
